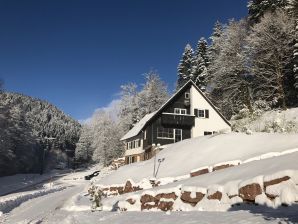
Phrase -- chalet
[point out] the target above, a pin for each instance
(187, 114)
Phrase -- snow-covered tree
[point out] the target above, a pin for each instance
(26, 124)
(200, 72)
(215, 38)
(135, 105)
(185, 67)
(257, 8)
(106, 138)
(203, 50)
(128, 108)
(230, 78)
(293, 11)
(200, 64)
(153, 94)
(271, 52)
(84, 149)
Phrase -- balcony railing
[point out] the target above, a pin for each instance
(178, 119)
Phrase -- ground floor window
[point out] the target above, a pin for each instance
(165, 133)
(208, 132)
(130, 159)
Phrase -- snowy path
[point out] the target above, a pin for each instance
(237, 217)
(40, 209)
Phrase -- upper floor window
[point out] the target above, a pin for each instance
(167, 133)
(201, 113)
(180, 111)
(187, 96)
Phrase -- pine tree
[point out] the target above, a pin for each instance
(257, 8)
(185, 66)
(84, 150)
(200, 72)
(270, 45)
(201, 64)
(215, 38)
(293, 11)
(203, 50)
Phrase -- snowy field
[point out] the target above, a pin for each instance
(207, 151)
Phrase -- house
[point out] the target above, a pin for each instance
(187, 114)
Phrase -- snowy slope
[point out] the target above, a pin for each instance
(183, 157)
(228, 181)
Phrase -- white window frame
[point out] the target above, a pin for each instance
(137, 143)
(179, 111)
(187, 96)
(163, 131)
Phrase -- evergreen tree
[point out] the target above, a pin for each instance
(293, 11)
(230, 76)
(84, 149)
(271, 50)
(257, 8)
(185, 67)
(203, 50)
(215, 38)
(200, 64)
(153, 94)
(200, 72)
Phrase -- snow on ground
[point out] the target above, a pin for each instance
(229, 180)
(270, 121)
(35, 188)
(256, 215)
(183, 157)
(9, 184)
(72, 197)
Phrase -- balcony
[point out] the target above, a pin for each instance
(178, 119)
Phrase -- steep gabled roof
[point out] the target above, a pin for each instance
(142, 123)
(138, 127)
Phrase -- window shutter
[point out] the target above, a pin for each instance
(196, 112)
(206, 113)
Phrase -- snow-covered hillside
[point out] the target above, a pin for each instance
(210, 173)
(282, 121)
(208, 151)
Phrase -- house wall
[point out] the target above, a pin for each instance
(136, 152)
(214, 123)
(151, 129)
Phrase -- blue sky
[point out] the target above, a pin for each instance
(76, 54)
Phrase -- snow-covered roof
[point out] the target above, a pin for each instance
(138, 127)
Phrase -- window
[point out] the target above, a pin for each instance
(179, 111)
(207, 132)
(187, 96)
(201, 113)
(145, 135)
(137, 143)
(131, 159)
(165, 133)
(133, 144)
